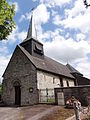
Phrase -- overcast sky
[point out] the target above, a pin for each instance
(63, 26)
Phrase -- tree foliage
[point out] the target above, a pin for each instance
(7, 23)
(86, 3)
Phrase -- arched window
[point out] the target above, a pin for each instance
(16, 83)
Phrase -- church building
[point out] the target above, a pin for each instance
(30, 71)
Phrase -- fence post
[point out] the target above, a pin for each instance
(76, 108)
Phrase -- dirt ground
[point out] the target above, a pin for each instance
(35, 112)
(59, 114)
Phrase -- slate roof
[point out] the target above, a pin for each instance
(73, 70)
(48, 64)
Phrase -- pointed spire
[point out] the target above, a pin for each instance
(32, 30)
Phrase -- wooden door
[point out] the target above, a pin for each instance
(17, 95)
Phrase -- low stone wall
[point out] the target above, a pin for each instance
(82, 93)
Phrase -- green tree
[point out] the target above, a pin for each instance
(7, 23)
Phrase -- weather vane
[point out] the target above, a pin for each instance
(86, 3)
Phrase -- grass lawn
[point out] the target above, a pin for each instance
(59, 114)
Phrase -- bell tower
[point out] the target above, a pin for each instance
(31, 44)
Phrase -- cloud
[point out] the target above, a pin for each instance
(22, 18)
(57, 19)
(80, 36)
(76, 9)
(84, 67)
(80, 22)
(77, 18)
(4, 58)
(16, 6)
(41, 15)
(55, 3)
(16, 36)
(64, 50)
(21, 35)
(3, 49)
(3, 63)
(54, 13)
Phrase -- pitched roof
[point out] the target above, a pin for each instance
(73, 70)
(48, 64)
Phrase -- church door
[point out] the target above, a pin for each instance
(17, 95)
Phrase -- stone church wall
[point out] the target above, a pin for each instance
(22, 70)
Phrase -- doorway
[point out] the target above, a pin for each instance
(17, 95)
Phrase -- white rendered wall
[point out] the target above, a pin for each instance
(71, 82)
(50, 81)
(46, 80)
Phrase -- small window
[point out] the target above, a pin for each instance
(61, 82)
(67, 84)
(53, 80)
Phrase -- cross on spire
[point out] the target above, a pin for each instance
(32, 30)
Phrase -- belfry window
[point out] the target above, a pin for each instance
(38, 49)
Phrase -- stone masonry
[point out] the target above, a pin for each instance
(22, 70)
(82, 93)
